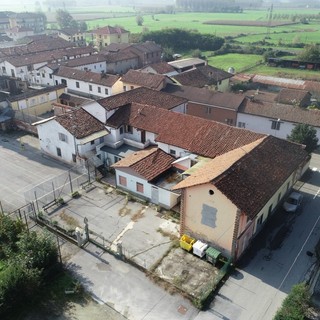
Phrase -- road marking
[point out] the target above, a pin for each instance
(316, 194)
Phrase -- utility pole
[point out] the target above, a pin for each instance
(270, 18)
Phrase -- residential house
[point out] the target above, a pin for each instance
(73, 101)
(86, 83)
(183, 65)
(226, 201)
(266, 112)
(26, 66)
(160, 68)
(71, 137)
(104, 108)
(73, 35)
(36, 101)
(147, 52)
(204, 77)
(135, 79)
(104, 36)
(4, 20)
(148, 174)
(121, 62)
(17, 33)
(32, 20)
(208, 104)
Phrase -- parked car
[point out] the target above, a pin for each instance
(293, 202)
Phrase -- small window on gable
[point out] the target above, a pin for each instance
(172, 152)
(63, 137)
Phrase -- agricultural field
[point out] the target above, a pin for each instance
(239, 62)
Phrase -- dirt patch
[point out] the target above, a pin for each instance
(181, 269)
(70, 221)
(138, 215)
(124, 211)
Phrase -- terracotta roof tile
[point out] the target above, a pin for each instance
(27, 59)
(274, 110)
(149, 163)
(109, 30)
(250, 176)
(200, 136)
(141, 95)
(80, 123)
(200, 95)
(217, 166)
(161, 67)
(255, 178)
(293, 96)
(201, 76)
(148, 80)
(93, 77)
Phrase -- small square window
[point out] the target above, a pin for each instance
(123, 181)
(139, 187)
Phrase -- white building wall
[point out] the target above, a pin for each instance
(49, 140)
(84, 87)
(263, 125)
(166, 198)
(97, 67)
(173, 150)
(96, 110)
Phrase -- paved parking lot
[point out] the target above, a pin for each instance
(144, 234)
(22, 166)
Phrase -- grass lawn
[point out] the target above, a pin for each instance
(286, 73)
(237, 61)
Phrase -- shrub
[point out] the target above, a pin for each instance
(295, 305)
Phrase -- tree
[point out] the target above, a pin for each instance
(311, 53)
(65, 19)
(83, 26)
(304, 134)
(139, 20)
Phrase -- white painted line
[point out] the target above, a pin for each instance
(316, 194)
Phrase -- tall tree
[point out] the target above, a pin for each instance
(304, 134)
(65, 19)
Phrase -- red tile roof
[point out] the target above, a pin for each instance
(161, 67)
(255, 178)
(107, 80)
(80, 123)
(141, 95)
(148, 163)
(209, 97)
(27, 59)
(148, 80)
(251, 175)
(200, 136)
(293, 96)
(109, 30)
(285, 112)
(202, 76)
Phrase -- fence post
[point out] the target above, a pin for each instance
(70, 182)
(35, 196)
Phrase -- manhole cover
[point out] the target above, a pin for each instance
(182, 309)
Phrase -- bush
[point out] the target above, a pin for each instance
(295, 305)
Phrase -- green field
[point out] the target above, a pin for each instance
(238, 61)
